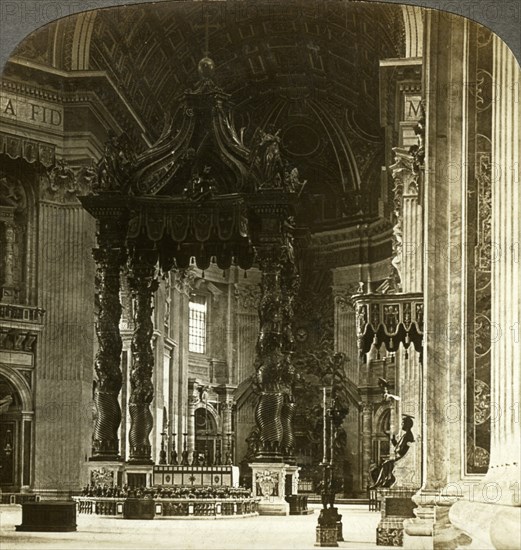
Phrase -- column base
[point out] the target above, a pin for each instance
(139, 474)
(487, 525)
(268, 483)
(417, 534)
(275, 507)
(430, 529)
(105, 472)
(396, 506)
(270, 457)
(105, 458)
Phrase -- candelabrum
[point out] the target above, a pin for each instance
(162, 452)
(329, 529)
(173, 452)
(229, 458)
(184, 454)
(218, 457)
(206, 457)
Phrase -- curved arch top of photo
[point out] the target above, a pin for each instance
(260, 261)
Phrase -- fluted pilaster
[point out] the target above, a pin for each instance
(367, 437)
(505, 454)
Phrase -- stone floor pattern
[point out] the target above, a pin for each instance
(263, 532)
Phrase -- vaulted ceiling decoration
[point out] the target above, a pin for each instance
(307, 70)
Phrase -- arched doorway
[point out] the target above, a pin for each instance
(13, 456)
(207, 438)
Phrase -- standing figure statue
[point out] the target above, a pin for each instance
(401, 446)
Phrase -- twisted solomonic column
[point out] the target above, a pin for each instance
(109, 256)
(275, 374)
(142, 284)
(290, 283)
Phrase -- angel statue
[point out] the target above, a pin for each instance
(387, 396)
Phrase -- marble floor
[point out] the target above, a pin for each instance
(263, 532)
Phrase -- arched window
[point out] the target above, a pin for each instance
(197, 308)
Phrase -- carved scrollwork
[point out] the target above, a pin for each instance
(343, 294)
(484, 187)
(63, 182)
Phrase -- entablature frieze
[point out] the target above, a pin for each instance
(360, 244)
(87, 88)
(330, 259)
(19, 328)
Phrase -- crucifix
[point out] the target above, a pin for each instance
(207, 26)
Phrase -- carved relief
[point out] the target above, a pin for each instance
(479, 231)
(268, 483)
(12, 193)
(114, 171)
(101, 477)
(484, 211)
(184, 280)
(405, 182)
(247, 296)
(13, 238)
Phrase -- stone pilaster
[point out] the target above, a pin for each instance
(367, 437)
(491, 514)
(7, 289)
(408, 228)
(227, 408)
(446, 61)
(193, 401)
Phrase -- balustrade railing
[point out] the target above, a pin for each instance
(171, 507)
(21, 313)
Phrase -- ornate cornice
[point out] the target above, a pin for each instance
(342, 295)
